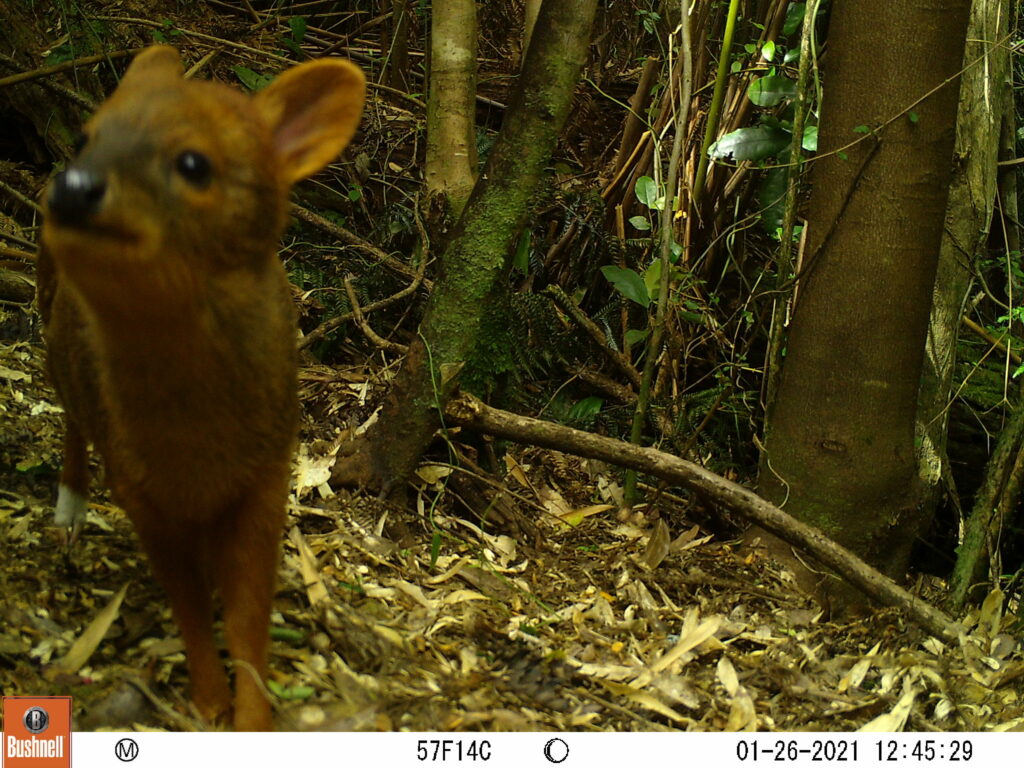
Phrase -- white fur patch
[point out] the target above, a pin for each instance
(71, 507)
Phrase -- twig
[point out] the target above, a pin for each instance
(4, 186)
(665, 233)
(22, 77)
(605, 385)
(576, 314)
(355, 241)
(997, 343)
(19, 240)
(198, 36)
(691, 441)
(327, 326)
(357, 316)
(14, 253)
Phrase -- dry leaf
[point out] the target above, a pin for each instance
(93, 635)
(316, 591)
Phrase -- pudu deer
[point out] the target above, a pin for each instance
(171, 336)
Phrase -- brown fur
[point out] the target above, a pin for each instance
(171, 338)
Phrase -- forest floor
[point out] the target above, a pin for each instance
(416, 618)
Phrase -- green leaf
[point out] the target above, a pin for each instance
(913, 117)
(771, 198)
(291, 692)
(640, 222)
(862, 129)
(793, 54)
(62, 53)
(647, 192)
(355, 194)
(30, 464)
(435, 548)
(769, 91)
(288, 635)
(254, 81)
(768, 50)
(794, 18)
(755, 143)
(170, 29)
(628, 283)
(292, 46)
(842, 155)
(297, 24)
(652, 279)
(810, 140)
(586, 409)
(634, 336)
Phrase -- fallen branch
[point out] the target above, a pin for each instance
(466, 411)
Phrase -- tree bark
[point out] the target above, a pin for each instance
(397, 74)
(530, 10)
(984, 93)
(451, 108)
(479, 253)
(840, 449)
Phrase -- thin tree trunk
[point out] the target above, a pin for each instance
(530, 10)
(840, 439)
(451, 107)
(983, 93)
(397, 73)
(479, 253)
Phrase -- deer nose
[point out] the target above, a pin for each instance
(76, 194)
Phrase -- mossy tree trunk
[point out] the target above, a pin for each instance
(477, 257)
(840, 448)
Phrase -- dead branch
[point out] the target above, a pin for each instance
(585, 323)
(335, 322)
(470, 413)
(364, 326)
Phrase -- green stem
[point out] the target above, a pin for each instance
(716, 101)
(665, 243)
(784, 263)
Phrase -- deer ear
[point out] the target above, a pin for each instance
(313, 111)
(157, 62)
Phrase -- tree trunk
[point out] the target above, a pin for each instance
(984, 93)
(397, 72)
(451, 109)
(530, 10)
(479, 254)
(840, 439)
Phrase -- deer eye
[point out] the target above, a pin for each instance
(194, 167)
